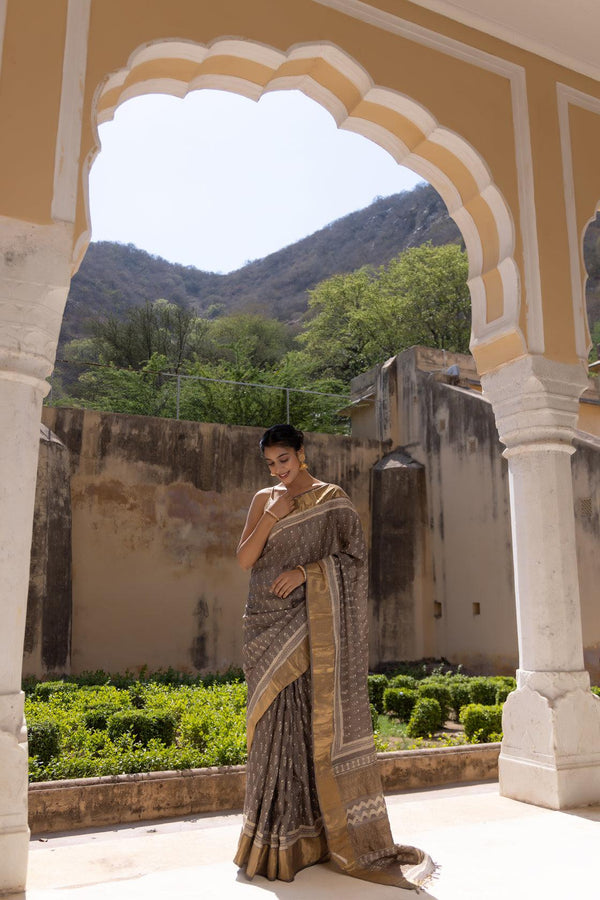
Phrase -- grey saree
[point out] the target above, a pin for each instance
(313, 787)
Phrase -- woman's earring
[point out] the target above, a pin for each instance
(303, 462)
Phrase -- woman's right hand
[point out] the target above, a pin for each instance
(281, 506)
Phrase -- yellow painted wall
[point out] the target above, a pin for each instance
(30, 85)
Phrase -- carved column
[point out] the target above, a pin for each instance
(34, 281)
(551, 749)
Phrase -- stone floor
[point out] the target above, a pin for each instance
(487, 847)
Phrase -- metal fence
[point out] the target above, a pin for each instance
(194, 397)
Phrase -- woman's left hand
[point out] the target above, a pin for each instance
(287, 582)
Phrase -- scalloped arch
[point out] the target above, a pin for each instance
(395, 122)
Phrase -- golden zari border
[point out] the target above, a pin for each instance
(290, 669)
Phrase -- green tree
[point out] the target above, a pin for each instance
(247, 340)
(146, 392)
(427, 294)
(355, 321)
(360, 319)
(154, 328)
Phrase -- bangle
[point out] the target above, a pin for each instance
(269, 513)
(303, 570)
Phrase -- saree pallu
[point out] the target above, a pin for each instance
(313, 787)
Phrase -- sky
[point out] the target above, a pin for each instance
(216, 180)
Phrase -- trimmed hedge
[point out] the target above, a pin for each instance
(460, 695)
(144, 726)
(96, 717)
(43, 740)
(481, 722)
(399, 702)
(438, 690)
(374, 717)
(47, 689)
(404, 682)
(483, 691)
(101, 733)
(376, 685)
(137, 695)
(426, 718)
(502, 693)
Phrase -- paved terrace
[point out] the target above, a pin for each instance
(488, 848)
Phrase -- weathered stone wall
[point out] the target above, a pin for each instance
(158, 507)
(400, 580)
(49, 606)
(464, 594)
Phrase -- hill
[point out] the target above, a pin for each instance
(115, 277)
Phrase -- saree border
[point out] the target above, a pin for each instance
(280, 674)
(323, 659)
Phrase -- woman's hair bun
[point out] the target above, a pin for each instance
(284, 435)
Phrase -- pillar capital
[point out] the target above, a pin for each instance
(536, 401)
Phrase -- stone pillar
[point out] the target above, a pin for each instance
(551, 749)
(34, 281)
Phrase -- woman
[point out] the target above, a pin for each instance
(313, 788)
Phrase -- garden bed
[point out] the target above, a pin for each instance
(109, 749)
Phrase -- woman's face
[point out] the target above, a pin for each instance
(282, 462)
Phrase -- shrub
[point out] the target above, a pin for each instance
(399, 702)
(137, 695)
(92, 679)
(425, 719)
(196, 729)
(376, 685)
(44, 740)
(439, 691)
(28, 684)
(595, 690)
(414, 669)
(47, 689)
(460, 695)
(232, 675)
(508, 681)
(144, 726)
(96, 717)
(502, 692)
(404, 682)
(481, 721)
(374, 717)
(483, 691)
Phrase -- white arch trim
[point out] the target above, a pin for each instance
(277, 78)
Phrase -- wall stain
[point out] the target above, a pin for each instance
(199, 649)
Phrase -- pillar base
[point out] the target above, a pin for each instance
(13, 869)
(14, 831)
(551, 748)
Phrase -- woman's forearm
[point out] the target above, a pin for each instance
(250, 549)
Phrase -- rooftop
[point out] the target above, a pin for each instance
(487, 847)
